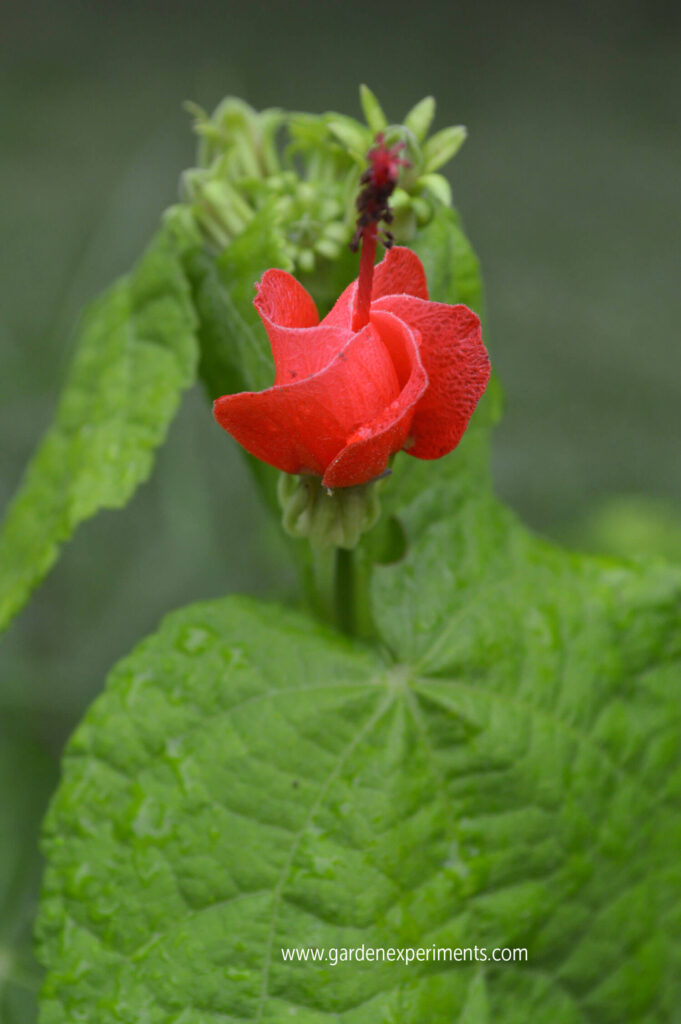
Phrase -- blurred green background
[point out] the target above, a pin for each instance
(568, 186)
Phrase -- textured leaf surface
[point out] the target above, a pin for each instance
(250, 782)
(26, 779)
(136, 352)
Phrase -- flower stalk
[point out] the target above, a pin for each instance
(360, 316)
(344, 593)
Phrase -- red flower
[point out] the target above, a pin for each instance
(345, 399)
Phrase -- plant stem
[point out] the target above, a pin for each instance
(321, 584)
(345, 591)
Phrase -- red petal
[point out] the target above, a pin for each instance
(284, 301)
(369, 448)
(400, 272)
(300, 347)
(457, 365)
(301, 427)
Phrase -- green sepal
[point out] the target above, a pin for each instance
(348, 131)
(372, 110)
(442, 146)
(327, 518)
(438, 185)
(420, 118)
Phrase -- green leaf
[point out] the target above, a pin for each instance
(373, 112)
(354, 136)
(27, 777)
(420, 117)
(628, 525)
(476, 1010)
(136, 352)
(579, 663)
(442, 146)
(438, 186)
(250, 782)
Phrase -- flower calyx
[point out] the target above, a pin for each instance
(325, 517)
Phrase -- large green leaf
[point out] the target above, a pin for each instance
(510, 777)
(136, 352)
(27, 777)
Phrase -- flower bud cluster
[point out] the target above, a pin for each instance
(306, 168)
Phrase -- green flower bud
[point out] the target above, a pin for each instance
(218, 209)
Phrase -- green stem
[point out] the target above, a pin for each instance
(321, 584)
(345, 591)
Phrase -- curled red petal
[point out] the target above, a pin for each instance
(300, 346)
(301, 352)
(340, 315)
(301, 427)
(400, 272)
(457, 365)
(368, 449)
(284, 301)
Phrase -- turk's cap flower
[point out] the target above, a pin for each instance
(345, 399)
